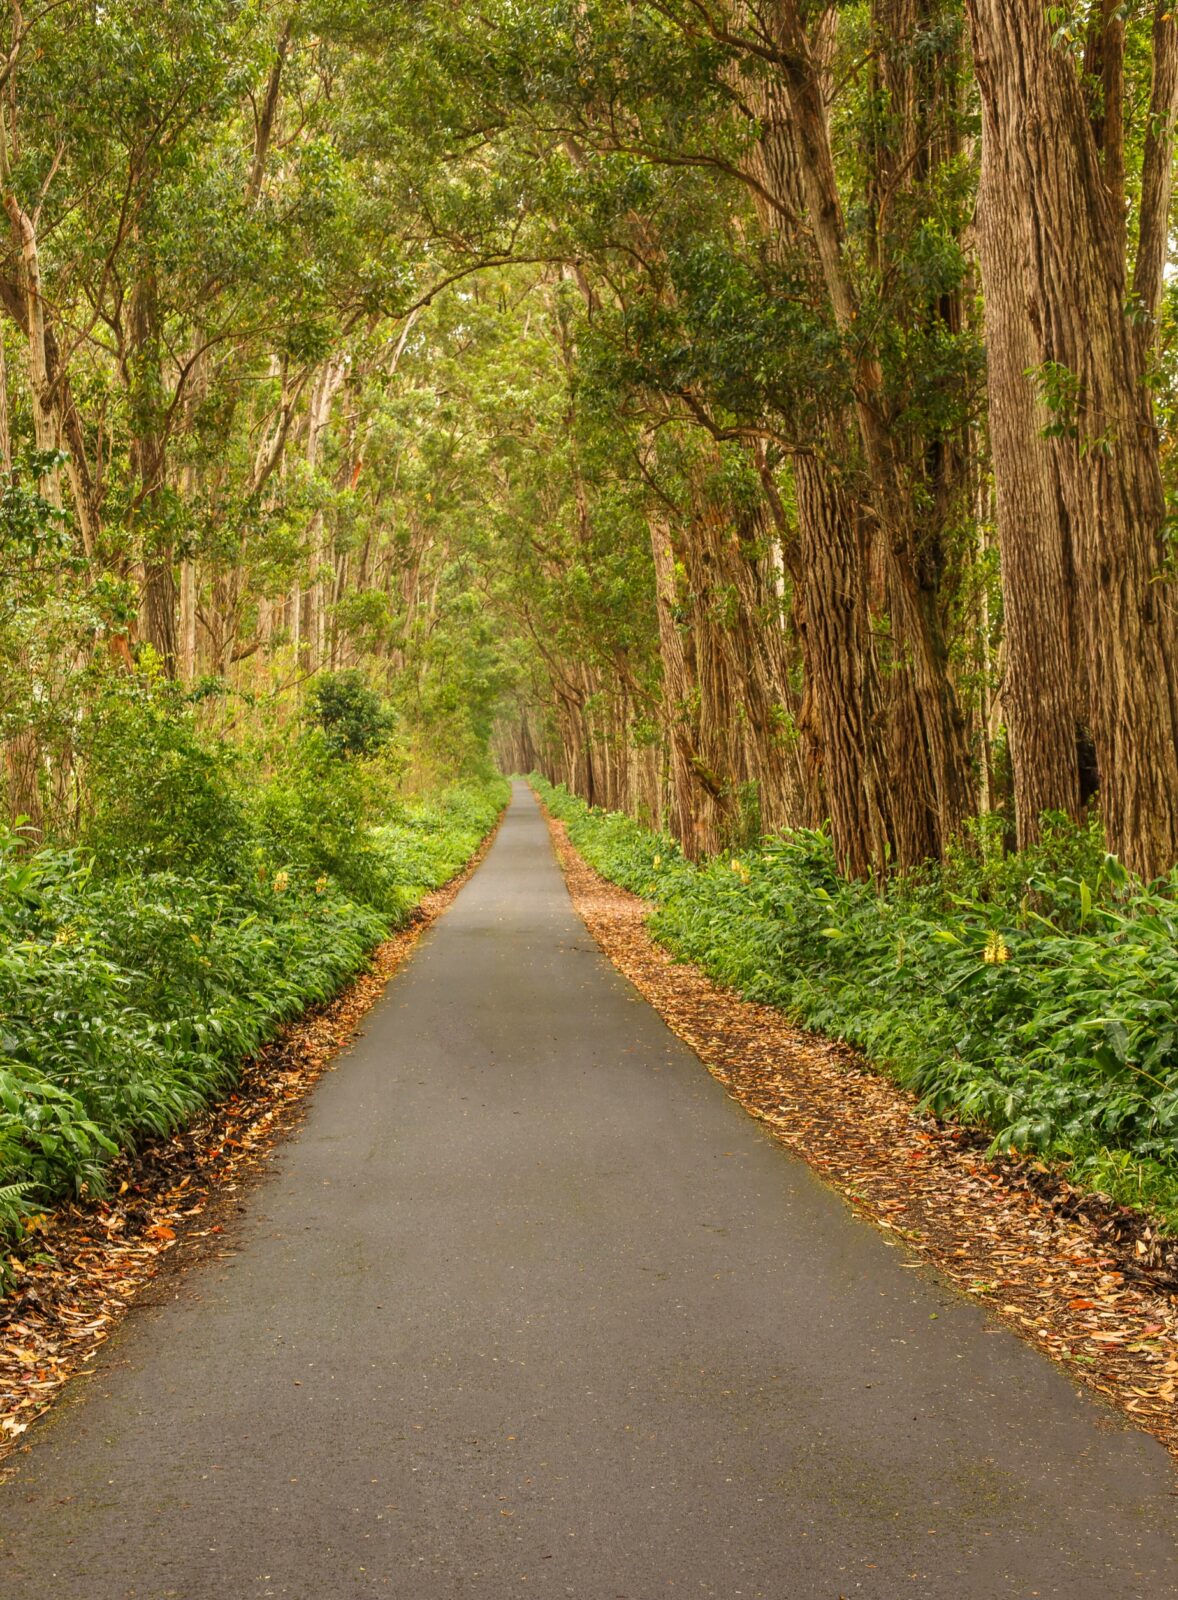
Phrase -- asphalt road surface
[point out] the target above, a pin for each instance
(529, 1307)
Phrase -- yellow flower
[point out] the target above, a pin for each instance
(658, 861)
(64, 935)
(997, 950)
(281, 879)
(321, 884)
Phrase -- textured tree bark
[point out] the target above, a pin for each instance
(86, 499)
(1038, 690)
(1094, 366)
(720, 635)
(684, 819)
(22, 765)
(5, 429)
(149, 464)
(1157, 176)
(834, 627)
(724, 679)
(327, 386)
(191, 478)
(739, 659)
(46, 432)
(22, 756)
(830, 593)
(935, 769)
(843, 722)
(1104, 79)
(771, 701)
(264, 131)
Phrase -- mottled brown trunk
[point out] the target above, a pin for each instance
(5, 429)
(1037, 602)
(931, 468)
(839, 719)
(1094, 365)
(22, 766)
(158, 601)
(740, 656)
(22, 758)
(771, 700)
(835, 631)
(679, 694)
(323, 396)
(264, 129)
(69, 430)
(158, 610)
(46, 422)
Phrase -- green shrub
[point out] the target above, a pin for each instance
(314, 815)
(353, 717)
(161, 798)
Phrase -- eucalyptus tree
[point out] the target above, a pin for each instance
(1078, 140)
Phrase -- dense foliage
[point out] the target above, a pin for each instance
(1035, 995)
(674, 391)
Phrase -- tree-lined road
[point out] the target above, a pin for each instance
(528, 1306)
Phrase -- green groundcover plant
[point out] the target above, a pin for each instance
(1034, 995)
(139, 969)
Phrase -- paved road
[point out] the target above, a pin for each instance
(529, 1307)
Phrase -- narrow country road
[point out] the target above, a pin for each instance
(529, 1307)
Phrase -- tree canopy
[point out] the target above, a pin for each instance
(754, 414)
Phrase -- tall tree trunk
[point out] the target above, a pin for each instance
(46, 432)
(264, 130)
(22, 753)
(1038, 690)
(846, 704)
(22, 765)
(5, 427)
(144, 374)
(683, 820)
(323, 393)
(844, 710)
(69, 430)
(1093, 368)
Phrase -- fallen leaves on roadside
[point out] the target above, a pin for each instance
(81, 1266)
(1089, 1283)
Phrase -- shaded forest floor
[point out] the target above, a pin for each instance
(1085, 1281)
(81, 1266)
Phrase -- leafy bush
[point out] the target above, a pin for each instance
(161, 798)
(353, 717)
(315, 814)
(1035, 995)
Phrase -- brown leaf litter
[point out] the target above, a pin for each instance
(1088, 1282)
(81, 1266)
